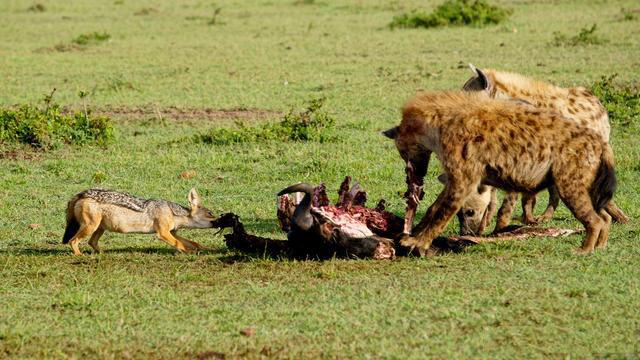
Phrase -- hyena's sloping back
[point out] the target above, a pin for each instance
(575, 103)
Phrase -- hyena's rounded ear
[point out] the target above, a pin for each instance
(443, 178)
(479, 82)
(194, 198)
(391, 133)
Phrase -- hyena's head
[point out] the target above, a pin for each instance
(477, 210)
(410, 149)
(199, 216)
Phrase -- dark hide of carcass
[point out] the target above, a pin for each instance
(318, 230)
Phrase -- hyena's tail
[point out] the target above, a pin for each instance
(604, 184)
(72, 223)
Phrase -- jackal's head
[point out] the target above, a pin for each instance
(199, 216)
(476, 212)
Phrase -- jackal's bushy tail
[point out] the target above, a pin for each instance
(604, 184)
(72, 223)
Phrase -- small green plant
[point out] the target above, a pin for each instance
(453, 13)
(36, 8)
(91, 38)
(628, 14)
(214, 19)
(622, 101)
(49, 128)
(586, 36)
(309, 124)
(98, 177)
(146, 11)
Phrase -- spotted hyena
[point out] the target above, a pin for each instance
(499, 143)
(575, 104)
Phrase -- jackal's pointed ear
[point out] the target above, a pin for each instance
(194, 198)
(391, 133)
(443, 178)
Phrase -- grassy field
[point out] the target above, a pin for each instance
(140, 299)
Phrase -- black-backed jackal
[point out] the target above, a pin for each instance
(93, 211)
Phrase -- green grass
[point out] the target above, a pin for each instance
(138, 299)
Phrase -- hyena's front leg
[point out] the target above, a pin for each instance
(505, 211)
(554, 201)
(415, 170)
(440, 212)
(528, 204)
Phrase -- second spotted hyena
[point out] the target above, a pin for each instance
(576, 104)
(484, 141)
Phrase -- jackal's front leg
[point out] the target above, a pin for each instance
(187, 242)
(415, 170)
(439, 214)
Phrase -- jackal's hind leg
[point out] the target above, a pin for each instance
(84, 231)
(93, 242)
(554, 201)
(528, 204)
(89, 223)
(505, 211)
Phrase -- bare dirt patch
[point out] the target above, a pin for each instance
(176, 113)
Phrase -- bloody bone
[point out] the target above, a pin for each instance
(413, 196)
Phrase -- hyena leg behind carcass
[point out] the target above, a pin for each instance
(554, 201)
(579, 202)
(616, 213)
(505, 211)
(93, 242)
(528, 204)
(440, 213)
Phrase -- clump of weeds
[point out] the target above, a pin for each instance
(91, 38)
(621, 100)
(309, 124)
(47, 127)
(453, 13)
(586, 36)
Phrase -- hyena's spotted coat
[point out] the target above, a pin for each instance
(480, 140)
(575, 104)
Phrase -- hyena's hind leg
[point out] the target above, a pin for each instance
(93, 242)
(505, 211)
(554, 201)
(579, 202)
(604, 234)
